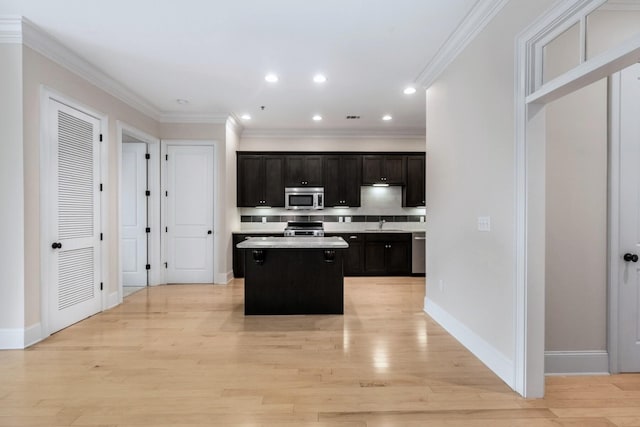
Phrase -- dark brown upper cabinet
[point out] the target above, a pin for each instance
(383, 169)
(260, 180)
(413, 194)
(303, 171)
(342, 177)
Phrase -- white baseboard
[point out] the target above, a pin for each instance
(12, 339)
(576, 362)
(33, 334)
(113, 300)
(224, 278)
(489, 355)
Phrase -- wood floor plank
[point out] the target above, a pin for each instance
(186, 355)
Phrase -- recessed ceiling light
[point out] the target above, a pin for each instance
(271, 78)
(245, 117)
(386, 117)
(182, 101)
(410, 90)
(317, 117)
(319, 78)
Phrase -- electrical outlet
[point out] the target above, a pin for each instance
(484, 223)
(264, 219)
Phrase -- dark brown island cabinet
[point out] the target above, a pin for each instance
(383, 169)
(342, 180)
(260, 180)
(354, 255)
(303, 171)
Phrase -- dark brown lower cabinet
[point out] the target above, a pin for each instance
(354, 256)
(387, 254)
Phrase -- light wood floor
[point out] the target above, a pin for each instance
(185, 355)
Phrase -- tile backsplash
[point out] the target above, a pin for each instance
(377, 203)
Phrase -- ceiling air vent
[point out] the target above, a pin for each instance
(353, 117)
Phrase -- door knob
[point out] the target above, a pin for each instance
(56, 245)
(630, 257)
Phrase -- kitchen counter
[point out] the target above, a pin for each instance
(293, 243)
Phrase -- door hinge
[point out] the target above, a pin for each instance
(147, 156)
(100, 236)
(147, 230)
(166, 265)
(147, 193)
(100, 137)
(101, 285)
(148, 266)
(166, 229)
(166, 194)
(100, 187)
(166, 157)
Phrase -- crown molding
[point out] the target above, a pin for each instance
(52, 49)
(10, 29)
(407, 133)
(475, 21)
(179, 117)
(235, 124)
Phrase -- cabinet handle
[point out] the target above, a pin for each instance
(353, 237)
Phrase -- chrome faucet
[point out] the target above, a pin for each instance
(381, 223)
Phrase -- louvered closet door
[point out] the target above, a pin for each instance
(74, 209)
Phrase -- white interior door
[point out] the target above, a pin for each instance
(134, 214)
(189, 216)
(74, 209)
(629, 283)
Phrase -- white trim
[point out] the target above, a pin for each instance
(10, 29)
(224, 278)
(621, 5)
(46, 94)
(588, 72)
(33, 334)
(485, 352)
(576, 362)
(613, 214)
(410, 133)
(156, 274)
(178, 117)
(235, 124)
(475, 21)
(11, 339)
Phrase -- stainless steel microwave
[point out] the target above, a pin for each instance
(304, 198)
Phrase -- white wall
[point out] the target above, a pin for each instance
(12, 227)
(470, 173)
(231, 211)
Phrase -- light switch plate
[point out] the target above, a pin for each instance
(484, 223)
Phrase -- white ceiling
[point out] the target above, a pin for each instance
(216, 53)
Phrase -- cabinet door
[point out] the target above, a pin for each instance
(312, 173)
(374, 258)
(294, 168)
(413, 194)
(353, 259)
(397, 258)
(273, 182)
(238, 256)
(351, 179)
(372, 169)
(394, 170)
(332, 181)
(250, 181)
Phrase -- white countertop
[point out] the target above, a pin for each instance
(293, 243)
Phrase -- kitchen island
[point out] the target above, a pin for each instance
(293, 275)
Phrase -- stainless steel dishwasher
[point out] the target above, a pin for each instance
(418, 263)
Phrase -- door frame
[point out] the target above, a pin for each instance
(217, 202)
(531, 97)
(46, 94)
(156, 273)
